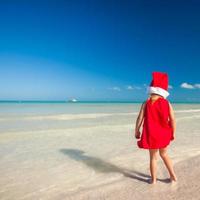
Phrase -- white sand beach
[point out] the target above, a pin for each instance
(87, 151)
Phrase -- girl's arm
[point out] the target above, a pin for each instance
(172, 120)
(139, 121)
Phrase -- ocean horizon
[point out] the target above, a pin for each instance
(88, 101)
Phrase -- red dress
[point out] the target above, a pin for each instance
(157, 131)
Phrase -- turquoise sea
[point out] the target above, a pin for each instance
(23, 115)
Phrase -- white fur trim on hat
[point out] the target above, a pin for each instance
(158, 90)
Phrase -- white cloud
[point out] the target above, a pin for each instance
(129, 87)
(187, 86)
(190, 86)
(115, 88)
(170, 87)
(197, 85)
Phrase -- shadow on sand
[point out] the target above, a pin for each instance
(105, 167)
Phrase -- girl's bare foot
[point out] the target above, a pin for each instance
(152, 181)
(173, 178)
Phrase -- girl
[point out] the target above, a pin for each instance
(157, 117)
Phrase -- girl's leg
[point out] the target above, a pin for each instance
(168, 163)
(153, 160)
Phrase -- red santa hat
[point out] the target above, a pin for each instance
(159, 84)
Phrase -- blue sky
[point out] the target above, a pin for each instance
(98, 50)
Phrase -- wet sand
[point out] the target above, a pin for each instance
(135, 185)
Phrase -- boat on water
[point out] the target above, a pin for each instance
(72, 100)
